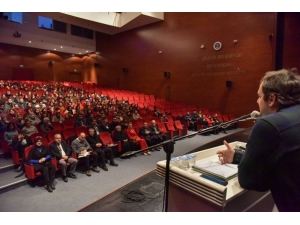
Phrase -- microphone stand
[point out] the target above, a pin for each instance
(169, 149)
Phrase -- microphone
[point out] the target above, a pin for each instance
(254, 115)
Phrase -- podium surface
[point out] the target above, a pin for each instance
(189, 192)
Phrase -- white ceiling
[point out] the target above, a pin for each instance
(113, 23)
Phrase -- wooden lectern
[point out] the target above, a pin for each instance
(188, 192)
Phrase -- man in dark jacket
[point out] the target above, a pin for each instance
(121, 136)
(62, 152)
(98, 147)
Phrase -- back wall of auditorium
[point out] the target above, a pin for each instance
(221, 76)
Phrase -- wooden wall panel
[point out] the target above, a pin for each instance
(179, 37)
(291, 49)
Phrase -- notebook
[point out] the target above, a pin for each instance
(216, 169)
(83, 155)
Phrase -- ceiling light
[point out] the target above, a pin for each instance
(79, 53)
(29, 41)
(61, 46)
(55, 49)
(86, 51)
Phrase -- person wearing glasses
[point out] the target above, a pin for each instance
(62, 152)
(40, 157)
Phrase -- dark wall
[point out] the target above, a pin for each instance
(197, 75)
(12, 56)
(291, 42)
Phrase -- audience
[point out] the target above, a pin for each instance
(28, 109)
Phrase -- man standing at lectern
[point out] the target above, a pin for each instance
(272, 156)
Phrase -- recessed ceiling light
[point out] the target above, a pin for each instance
(55, 49)
(86, 51)
(29, 41)
(61, 46)
(79, 53)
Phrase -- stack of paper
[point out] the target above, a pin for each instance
(216, 169)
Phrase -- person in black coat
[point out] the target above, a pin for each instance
(97, 145)
(95, 126)
(62, 152)
(121, 136)
(105, 126)
(145, 133)
(157, 134)
(81, 121)
(40, 157)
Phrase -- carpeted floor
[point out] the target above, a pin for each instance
(78, 193)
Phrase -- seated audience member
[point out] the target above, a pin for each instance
(46, 125)
(8, 105)
(95, 126)
(188, 117)
(83, 149)
(157, 112)
(105, 126)
(40, 157)
(96, 143)
(33, 119)
(157, 135)
(1, 108)
(10, 133)
(58, 117)
(21, 103)
(11, 115)
(69, 115)
(134, 138)
(195, 116)
(164, 118)
(121, 136)
(19, 144)
(20, 122)
(216, 122)
(89, 120)
(80, 121)
(29, 129)
(145, 133)
(113, 124)
(136, 115)
(62, 152)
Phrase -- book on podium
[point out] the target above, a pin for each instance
(216, 169)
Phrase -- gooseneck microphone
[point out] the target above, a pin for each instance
(254, 115)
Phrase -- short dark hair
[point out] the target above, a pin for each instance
(285, 84)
